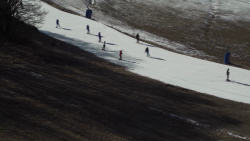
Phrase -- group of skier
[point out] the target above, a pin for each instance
(138, 40)
(104, 44)
(120, 53)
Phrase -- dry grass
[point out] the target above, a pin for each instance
(54, 91)
(213, 38)
(51, 3)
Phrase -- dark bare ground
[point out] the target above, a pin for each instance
(53, 91)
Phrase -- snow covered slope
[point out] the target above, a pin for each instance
(168, 67)
(192, 25)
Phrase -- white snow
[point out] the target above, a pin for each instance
(168, 67)
(232, 134)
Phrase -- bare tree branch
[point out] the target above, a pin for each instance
(14, 11)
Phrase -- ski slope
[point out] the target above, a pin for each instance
(168, 67)
(203, 15)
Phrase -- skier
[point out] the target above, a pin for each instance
(228, 74)
(57, 23)
(138, 38)
(100, 37)
(147, 51)
(88, 29)
(120, 54)
(104, 45)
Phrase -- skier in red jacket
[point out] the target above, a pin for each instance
(120, 54)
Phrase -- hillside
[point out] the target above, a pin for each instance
(163, 65)
(53, 91)
(204, 29)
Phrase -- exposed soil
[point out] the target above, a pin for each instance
(51, 90)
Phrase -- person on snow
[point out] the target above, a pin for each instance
(228, 74)
(88, 29)
(57, 23)
(138, 38)
(120, 54)
(100, 37)
(147, 51)
(104, 45)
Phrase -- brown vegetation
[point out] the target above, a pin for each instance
(51, 3)
(211, 35)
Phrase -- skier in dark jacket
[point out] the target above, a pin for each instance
(147, 51)
(228, 74)
(100, 37)
(88, 29)
(57, 23)
(120, 54)
(104, 45)
(138, 38)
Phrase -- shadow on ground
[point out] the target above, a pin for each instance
(96, 35)
(147, 45)
(239, 83)
(64, 28)
(157, 58)
(111, 44)
(94, 49)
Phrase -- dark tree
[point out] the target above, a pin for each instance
(14, 12)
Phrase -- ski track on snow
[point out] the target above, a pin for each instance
(168, 67)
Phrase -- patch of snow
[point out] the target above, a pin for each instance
(181, 118)
(36, 75)
(198, 123)
(232, 134)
